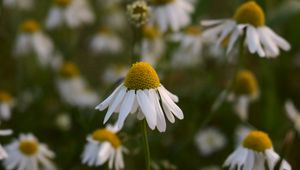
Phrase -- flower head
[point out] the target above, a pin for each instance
(6, 104)
(257, 141)
(69, 70)
(104, 135)
(246, 84)
(30, 26)
(138, 12)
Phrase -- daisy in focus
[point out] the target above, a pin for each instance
(293, 114)
(255, 150)
(249, 19)
(209, 141)
(19, 4)
(26, 153)
(171, 14)
(106, 41)
(73, 89)
(142, 92)
(245, 90)
(104, 146)
(72, 13)
(31, 39)
(6, 105)
(3, 153)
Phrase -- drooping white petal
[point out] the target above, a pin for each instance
(161, 122)
(147, 109)
(126, 107)
(103, 105)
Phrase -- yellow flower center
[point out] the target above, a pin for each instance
(258, 141)
(141, 76)
(28, 147)
(193, 30)
(250, 13)
(30, 26)
(5, 97)
(102, 135)
(62, 3)
(246, 84)
(150, 32)
(69, 70)
(104, 30)
(161, 2)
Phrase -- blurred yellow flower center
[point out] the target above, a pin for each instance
(250, 13)
(28, 147)
(161, 2)
(104, 30)
(69, 70)
(193, 30)
(258, 141)
(246, 84)
(102, 135)
(30, 26)
(62, 3)
(142, 76)
(150, 32)
(5, 97)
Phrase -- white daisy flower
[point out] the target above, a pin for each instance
(6, 105)
(142, 91)
(3, 153)
(19, 4)
(72, 13)
(240, 133)
(256, 149)
(293, 114)
(73, 89)
(152, 45)
(104, 146)
(171, 14)
(245, 90)
(114, 73)
(32, 40)
(249, 19)
(26, 153)
(105, 41)
(209, 141)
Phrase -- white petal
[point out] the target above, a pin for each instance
(147, 109)
(126, 107)
(161, 122)
(103, 105)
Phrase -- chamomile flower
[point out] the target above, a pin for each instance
(106, 41)
(141, 91)
(27, 153)
(138, 12)
(114, 73)
(3, 153)
(72, 13)
(6, 105)
(31, 39)
(293, 114)
(19, 4)
(249, 19)
(171, 14)
(104, 146)
(245, 90)
(152, 45)
(255, 150)
(209, 141)
(73, 89)
(189, 51)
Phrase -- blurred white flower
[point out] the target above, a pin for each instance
(255, 150)
(113, 73)
(104, 146)
(26, 153)
(32, 40)
(72, 13)
(73, 89)
(293, 114)
(19, 4)
(3, 154)
(6, 105)
(249, 19)
(105, 41)
(138, 12)
(142, 92)
(240, 133)
(63, 121)
(171, 14)
(209, 141)
(212, 167)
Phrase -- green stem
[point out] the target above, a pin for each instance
(146, 144)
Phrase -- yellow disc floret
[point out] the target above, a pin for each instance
(193, 30)
(246, 84)
(104, 30)
(28, 147)
(150, 32)
(62, 3)
(102, 135)
(30, 26)
(142, 76)
(161, 2)
(250, 13)
(257, 141)
(5, 97)
(69, 70)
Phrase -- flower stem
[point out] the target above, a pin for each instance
(146, 144)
